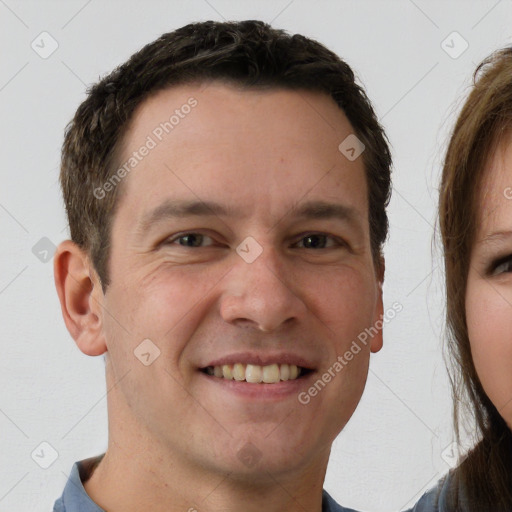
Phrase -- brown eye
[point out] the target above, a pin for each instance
(188, 240)
(317, 241)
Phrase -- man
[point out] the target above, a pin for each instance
(226, 192)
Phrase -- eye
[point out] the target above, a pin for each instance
(502, 266)
(316, 240)
(312, 240)
(188, 239)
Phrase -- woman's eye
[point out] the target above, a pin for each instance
(502, 266)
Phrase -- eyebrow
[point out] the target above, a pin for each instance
(186, 208)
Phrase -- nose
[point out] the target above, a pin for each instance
(261, 294)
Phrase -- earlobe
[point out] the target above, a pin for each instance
(76, 290)
(378, 322)
(377, 339)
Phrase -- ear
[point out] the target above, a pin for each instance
(80, 295)
(377, 339)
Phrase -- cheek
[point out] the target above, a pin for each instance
(169, 306)
(159, 304)
(348, 305)
(346, 308)
(489, 321)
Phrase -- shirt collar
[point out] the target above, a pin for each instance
(75, 498)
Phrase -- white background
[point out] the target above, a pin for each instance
(391, 451)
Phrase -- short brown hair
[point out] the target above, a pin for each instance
(485, 475)
(248, 53)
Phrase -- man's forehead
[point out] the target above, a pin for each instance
(200, 157)
(226, 103)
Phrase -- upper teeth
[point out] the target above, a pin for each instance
(255, 373)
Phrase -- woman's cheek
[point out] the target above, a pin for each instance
(489, 322)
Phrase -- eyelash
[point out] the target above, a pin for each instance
(170, 241)
(500, 262)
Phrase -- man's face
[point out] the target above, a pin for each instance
(258, 283)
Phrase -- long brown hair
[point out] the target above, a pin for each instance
(483, 480)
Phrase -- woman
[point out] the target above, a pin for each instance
(475, 213)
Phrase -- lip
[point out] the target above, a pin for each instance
(260, 391)
(262, 359)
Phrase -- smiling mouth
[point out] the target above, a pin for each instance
(255, 374)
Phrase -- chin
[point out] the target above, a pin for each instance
(257, 458)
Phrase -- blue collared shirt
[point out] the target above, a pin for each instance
(75, 499)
